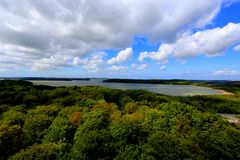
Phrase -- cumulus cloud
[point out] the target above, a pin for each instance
(237, 48)
(53, 62)
(117, 68)
(122, 56)
(96, 62)
(93, 63)
(76, 28)
(163, 67)
(162, 54)
(139, 66)
(78, 61)
(226, 72)
(210, 42)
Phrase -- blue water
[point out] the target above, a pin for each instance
(168, 89)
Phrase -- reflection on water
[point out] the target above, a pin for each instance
(176, 90)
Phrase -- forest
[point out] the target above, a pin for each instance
(91, 122)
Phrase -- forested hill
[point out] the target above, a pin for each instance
(42, 122)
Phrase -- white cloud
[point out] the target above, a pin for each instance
(78, 61)
(162, 54)
(139, 67)
(122, 56)
(2, 70)
(142, 66)
(210, 42)
(117, 68)
(44, 29)
(237, 48)
(163, 62)
(4, 67)
(163, 67)
(182, 61)
(52, 62)
(96, 62)
(226, 72)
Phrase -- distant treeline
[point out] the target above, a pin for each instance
(150, 81)
(231, 86)
(165, 81)
(45, 78)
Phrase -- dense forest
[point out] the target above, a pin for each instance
(43, 122)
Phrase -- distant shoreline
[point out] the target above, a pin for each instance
(166, 81)
(219, 90)
(225, 87)
(210, 84)
(45, 79)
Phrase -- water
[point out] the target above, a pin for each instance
(168, 89)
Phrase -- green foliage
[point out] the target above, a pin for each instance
(50, 110)
(130, 152)
(42, 122)
(38, 151)
(13, 117)
(124, 100)
(217, 143)
(128, 130)
(61, 129)
(35, 127)
(10, 139)
(131, 107)
(64, 101)
(30, 99)
(93, 139)
(166, 146)
(214, 103)
(86, 102)
(4, 108)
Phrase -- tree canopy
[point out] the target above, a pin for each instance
(42, 122)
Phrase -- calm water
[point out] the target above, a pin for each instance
(176, 90)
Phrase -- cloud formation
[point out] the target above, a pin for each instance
(139, 66)
(44, 35)
(226, 72)
(210, 42)
(96, 62)
(163, 67)
(117, 68)
(237, 48)
(44, 30)
(53, 62)
(122, 56)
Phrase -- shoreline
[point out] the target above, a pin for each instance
(225, 92)
(220, 90)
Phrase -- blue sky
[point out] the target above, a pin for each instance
(120, 39)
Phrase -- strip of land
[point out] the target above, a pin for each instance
(224, 86)
(44, 79)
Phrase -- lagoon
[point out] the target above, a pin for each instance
(168, 89)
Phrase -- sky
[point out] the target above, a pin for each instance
(147, 39)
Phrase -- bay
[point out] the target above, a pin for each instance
(168, 89)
